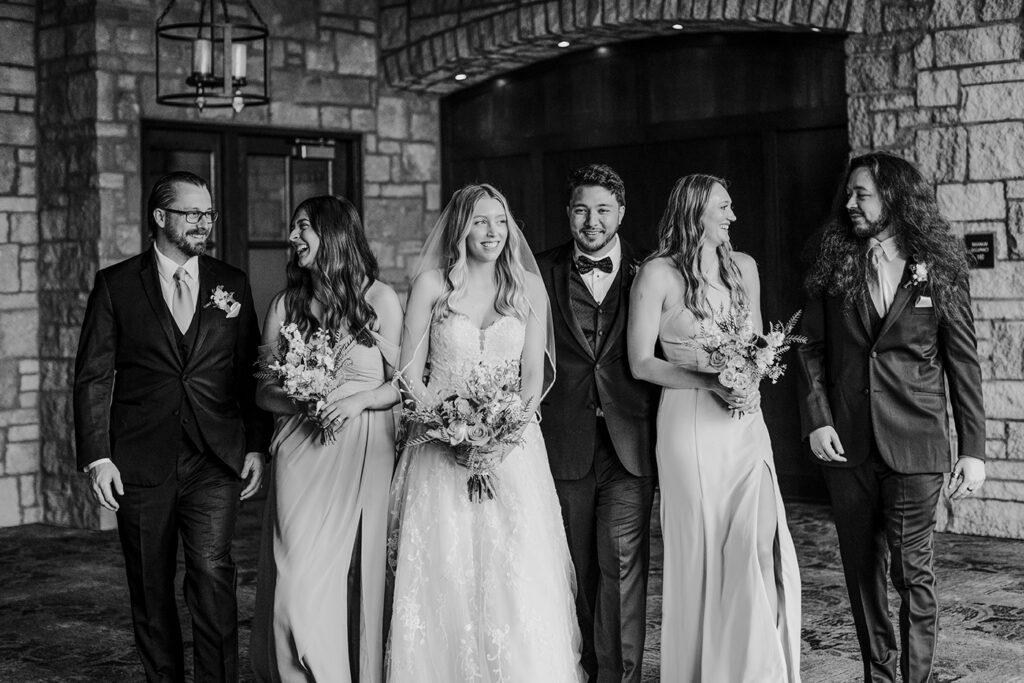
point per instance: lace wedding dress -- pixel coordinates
(483, 591)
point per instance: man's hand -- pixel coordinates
(106, 481)
(252, 469)
(825, 444)
(968, 476)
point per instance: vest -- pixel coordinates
(185, 343)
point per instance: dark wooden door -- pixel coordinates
(258, 177)
(765, 111)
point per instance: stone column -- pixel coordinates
(69, 237)
(19, 310)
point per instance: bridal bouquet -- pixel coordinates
(309, 370)
(741, 357)
(476, 423)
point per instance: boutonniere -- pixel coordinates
(918, 274)
(225, 301)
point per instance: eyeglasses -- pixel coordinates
(193, 216)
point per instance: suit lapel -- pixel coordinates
(899, 302)
(560, 274)
(206, 284)
(151, 286)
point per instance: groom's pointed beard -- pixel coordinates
(180, 240)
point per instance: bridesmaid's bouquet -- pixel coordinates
(741, 357)
(309, 370)
(477, 423)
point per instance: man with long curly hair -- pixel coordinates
(889, 324)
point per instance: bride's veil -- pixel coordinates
(433, 256)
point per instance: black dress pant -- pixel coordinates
(199, 503)
(607, 517)
(887, 519)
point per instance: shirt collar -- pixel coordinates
(166, 267)
(615, 254)
(889, 248)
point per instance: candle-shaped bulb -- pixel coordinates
(202, 56)
(239, 54)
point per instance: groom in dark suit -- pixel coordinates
(598, 424)
(890, 339)
(167, 427)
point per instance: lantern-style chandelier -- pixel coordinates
(211, 63)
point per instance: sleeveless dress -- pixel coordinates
(318, 498)
(717, 622)
(483, 591)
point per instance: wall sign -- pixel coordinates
(982, 246)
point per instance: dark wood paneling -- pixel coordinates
(765, 111)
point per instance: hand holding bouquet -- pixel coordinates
(479, 424)
(309, 370)
(741, 357)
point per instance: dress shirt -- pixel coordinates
(890, 268)
(597, 281)
(166, 268)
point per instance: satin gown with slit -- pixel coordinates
(718, 625)
(319, 497)
(483, 591)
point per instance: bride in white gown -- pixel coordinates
(483, 591)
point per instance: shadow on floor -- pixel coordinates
(64, 605)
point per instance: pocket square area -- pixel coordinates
(924, 302)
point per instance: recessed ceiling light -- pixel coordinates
(563, 43)
(460, 77)
(816, 29)
(678, 27)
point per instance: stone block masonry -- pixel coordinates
(19, 252)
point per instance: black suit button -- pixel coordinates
(185, 378)
(185, 421)
(175, 413)
(597, 366)
(865, 391)
(874, 354)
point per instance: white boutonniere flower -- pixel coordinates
(225, 301)
(918, 274)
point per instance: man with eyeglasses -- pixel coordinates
(167, 427)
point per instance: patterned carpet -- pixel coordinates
(64, 606)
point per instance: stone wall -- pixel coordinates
(19, 250)
(942, 83)
(97, 76)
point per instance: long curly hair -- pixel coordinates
(343, 270)
(681, 239)
(840, 264)
(455, 221)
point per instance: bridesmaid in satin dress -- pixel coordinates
(324, 499)
(731, 601)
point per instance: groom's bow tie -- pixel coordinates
(586, 265)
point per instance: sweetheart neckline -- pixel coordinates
(477, 327)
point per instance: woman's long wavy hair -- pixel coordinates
(840, 265)
(342, 271)
(455, 221)
(681, 239)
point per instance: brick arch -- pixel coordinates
(423, 50)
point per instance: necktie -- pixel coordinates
(881, 292)
(182, 307)
(586, 265)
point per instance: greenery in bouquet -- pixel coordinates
(309, 370)
(478, 424)
(741, 357)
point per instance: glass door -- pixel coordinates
(258, 177)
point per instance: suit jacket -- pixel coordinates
(131, 380)
(569, 422)
(892, 386)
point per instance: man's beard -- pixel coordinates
(180, 240)
(868, 228)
